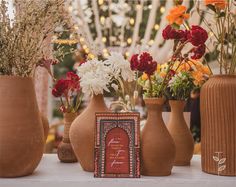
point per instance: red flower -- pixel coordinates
(74, 81)
(173, 34)
(197, 35)
(134, 62)
(198, 52)
(150, 67)
(143, 63)
(60, 88)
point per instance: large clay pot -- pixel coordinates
(45, 127)
(218, 125)
(65, 152)
(157, 146)
(82, 132)
(21, 129)
(181, 134)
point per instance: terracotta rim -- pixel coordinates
(177, 101)
(223, 76)
(15, 77)
(155, 100)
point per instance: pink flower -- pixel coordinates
(197, 35)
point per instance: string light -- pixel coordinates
(138, 6)
(81, 40)
(76, 27)
(100, 2)
(85, 46)
(150, 42)
(70, 9)
(156, 27)
(162, 9)
(127, 54)
(91, 56)
(102, 20)
(129, 40)
(87, 50)
(131, 21)
(104, 39)
(150, 7)
(104, 50)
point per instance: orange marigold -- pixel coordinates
(221, 4)
(177, 15)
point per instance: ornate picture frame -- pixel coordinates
(117, 145)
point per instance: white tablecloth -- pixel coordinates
(52, 173)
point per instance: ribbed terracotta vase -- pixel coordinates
(218, 125)
(82, 132)
(180, 133)
(157, 146)
(65, 151)
(21, 128)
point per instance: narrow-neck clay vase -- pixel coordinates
(157, 146)
(82, 132)
(218, 125)
(21, 129)
(181, 134)
(65, 152)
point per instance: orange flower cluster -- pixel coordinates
(221, 4)
(177, 15)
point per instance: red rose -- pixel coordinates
(197, 35)
(60, 88)
(198, 52)
(173, 34)
(134, 62)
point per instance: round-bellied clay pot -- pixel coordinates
(157, 146)
(45, 126)
(65, 152)
(82, 132)
(21, 128)
(180, 133)
(218, 125)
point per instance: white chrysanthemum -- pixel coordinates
(119, 67)
(94, 76)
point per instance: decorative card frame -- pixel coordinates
(122, 127)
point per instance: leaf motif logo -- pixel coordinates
(221, 168)
(222, 161)
(216, 158)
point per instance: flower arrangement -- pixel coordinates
(98, 76)
(224, 32)
(23, 38)
(145, 65)
(181, 74)
(69, 89)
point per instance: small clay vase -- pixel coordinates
(218, 125)
(157, 146)
(65, 151)
(21, 128)
(82, 132)
(181, 134)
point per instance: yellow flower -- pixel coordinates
(177, 15)
(158, 68)
(198, 77)
(162, 74)
(144, 77)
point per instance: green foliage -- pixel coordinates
(180, 86)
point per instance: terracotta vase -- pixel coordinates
(157, 146)
(65, 152)
(21, 129)
(181, 134)
(45, 126)
(82, 132)
(218, 125)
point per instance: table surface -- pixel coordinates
(52, 173)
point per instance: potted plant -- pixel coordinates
(69, 92)
(189, 46)
(22, 39)
(96, 77)
(218, 94)
(157, 146)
